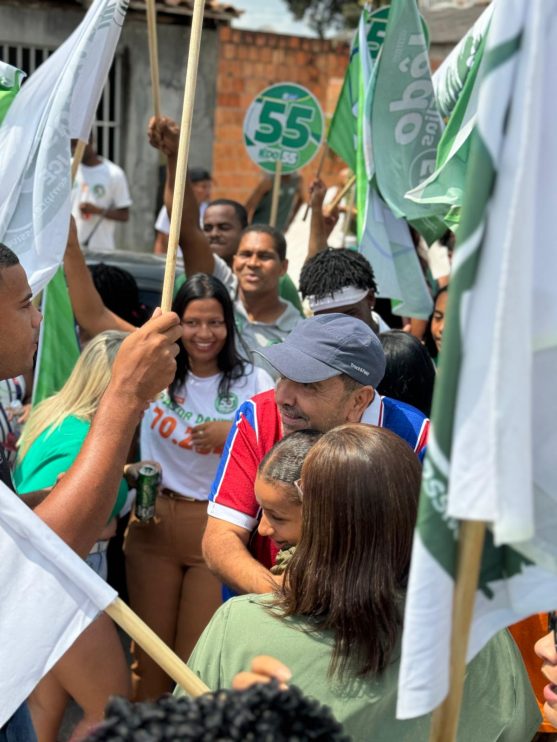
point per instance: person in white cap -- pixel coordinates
(329, 368)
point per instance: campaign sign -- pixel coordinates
(285, 123)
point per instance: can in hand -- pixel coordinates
(147, 488)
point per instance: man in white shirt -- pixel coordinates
(100, 199)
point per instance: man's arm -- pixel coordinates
(164, 135)
(89, 310)
(254, 199)
(317, 231)
(79, 506)
(226, 553)
(116, 215)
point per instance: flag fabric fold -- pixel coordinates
(491, 451)
(49, 597)
(57, 103)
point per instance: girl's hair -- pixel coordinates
(282, 465)
(409, 373)
(81, 394)
(350, 569)
(229, 362)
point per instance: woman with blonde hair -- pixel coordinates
(94, 668)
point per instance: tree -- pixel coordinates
(326, 15)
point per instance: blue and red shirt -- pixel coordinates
(256, 429)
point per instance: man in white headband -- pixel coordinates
(341, 280)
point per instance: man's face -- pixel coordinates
(223, 230)
(20, 323)
(257, 264)
(360, 310)
(320, 406)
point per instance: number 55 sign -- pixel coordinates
(285, 123)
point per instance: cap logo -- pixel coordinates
(360, 369)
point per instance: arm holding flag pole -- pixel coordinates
(317, 176)
(183, 152)
(341, 194)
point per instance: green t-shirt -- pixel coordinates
(54, 452)
(498, 703)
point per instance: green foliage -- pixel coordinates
(323, 16)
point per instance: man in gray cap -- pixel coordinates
(329, 367)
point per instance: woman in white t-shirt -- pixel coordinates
(185, 430)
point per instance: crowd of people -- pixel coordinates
(288, 437)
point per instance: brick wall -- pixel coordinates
(250, 61)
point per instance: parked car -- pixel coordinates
(146, 268)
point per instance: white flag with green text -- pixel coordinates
(57, 103)
(491, 454)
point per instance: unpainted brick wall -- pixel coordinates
(249, 61)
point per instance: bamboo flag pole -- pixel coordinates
(444, 722)
(183, 152)
(342, 193)
(276, 194)
(153, 55)
(77, 157)
(121, 614)
(317, 175)
(348, 215)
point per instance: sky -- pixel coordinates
(270, 15)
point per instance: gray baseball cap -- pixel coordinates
(328, 345)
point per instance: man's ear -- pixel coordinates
(360, 400)
(284, 267)
(371, 298)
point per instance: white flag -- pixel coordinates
(57, 103)
(49, 596)
(491, 455)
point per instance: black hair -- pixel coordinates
(283, 463)
(261, 712)
(118, 290)
(229, 362)
(428, 337)
(409, 373)
(279, 242)
(334, 269)
(7, 257)
(240, 210)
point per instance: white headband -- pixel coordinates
(346, 296)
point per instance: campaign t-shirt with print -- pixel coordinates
(166, 428)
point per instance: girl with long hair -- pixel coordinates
(95, 667)
(337, 622)
(185, 430)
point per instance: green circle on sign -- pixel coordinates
(284, 122)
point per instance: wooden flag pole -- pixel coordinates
(183, 152)
(444, 722)
(77, 157)
(121, 614)
(276, 194)
(154, 56)
(317, 175)
(348, 215)
(341, 194)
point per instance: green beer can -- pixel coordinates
(147, 488)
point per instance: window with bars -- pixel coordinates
(108, 121)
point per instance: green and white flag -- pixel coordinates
(405, 123)
(58, 344)
(491, 454)
(456, 91)
(56, 104)
(10, 83)
(384, 239)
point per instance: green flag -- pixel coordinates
(58, 346)
(443, 190)
(343, 130)
(10, 83)
(493, 437)
(405, 123)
